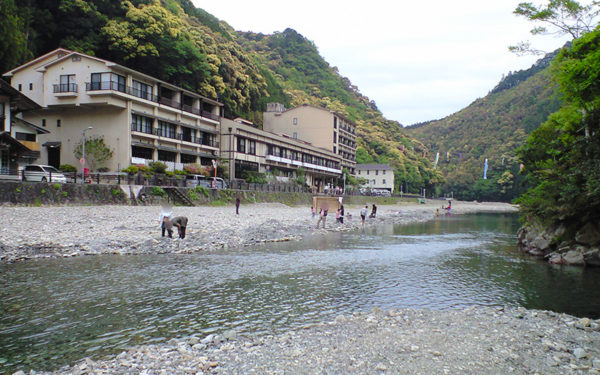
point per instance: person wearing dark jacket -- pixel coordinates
(181, 223)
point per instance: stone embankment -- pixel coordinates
(559, 246)
(490, 340)
(63, 231)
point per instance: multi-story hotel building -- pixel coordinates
(141, 118)
(378, 176)
(319, 126)
(247, 148)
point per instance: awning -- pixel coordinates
(52, 144)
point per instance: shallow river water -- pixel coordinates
(56, 311)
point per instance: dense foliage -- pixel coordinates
(562, 157)
(491, 128)
(176, 42)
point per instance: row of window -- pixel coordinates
(282, 152)
(376, 172)
(166, 129)
(170, 156)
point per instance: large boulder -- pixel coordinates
(589, 234)
(592, 257)
(574, 257)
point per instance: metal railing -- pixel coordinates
(64, 87)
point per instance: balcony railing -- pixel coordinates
(141, 129)
(115, 86)
(65, 87)
(164, 133)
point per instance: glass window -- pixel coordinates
(141, 124)
(241, 145)
(252, 147)
(108, 81)
(67, 83)
(141, 90)
(295, 121)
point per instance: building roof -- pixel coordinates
(37, 129)
(319, 108)
(5, 137)
(58, 52)
(372, 167)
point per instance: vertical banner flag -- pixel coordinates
(437, 157)
(485, 168)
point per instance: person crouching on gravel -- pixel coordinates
(181, 223)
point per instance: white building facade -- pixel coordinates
(377, 176)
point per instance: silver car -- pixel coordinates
(43, 173)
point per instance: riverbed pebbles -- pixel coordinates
(484, 340)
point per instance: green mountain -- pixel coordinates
(491, 128)
(179, 43)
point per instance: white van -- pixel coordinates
(193, 180)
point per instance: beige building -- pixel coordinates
(378, 176)
(249, 149)
(139, 117)
(319, 126)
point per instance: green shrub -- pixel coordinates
(133, 169)
(202, 190)
(43, 191)
(179, 172)
(116, 192)
(67, 168)
(170, 174)
(56, 186)
(64, 194)
(158, 191)
(157, 167)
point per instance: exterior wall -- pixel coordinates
(313, 125)
(4, 113)
(109, 123)
(378, 177)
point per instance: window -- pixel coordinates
(141, 124)
(25, 137)
(142, 90)
(384, 171)
(20, 87)
(67, 83)
(107, 81)
(334, 137)
(44, 122)
(335, 122)
(30, 86)
(367, 171)
(334, 150)
(376, 173)
(295, 121)
(241, 145)
(252, 147)
(383, 181)
(58, 123)
(295, 135)
(165, 129)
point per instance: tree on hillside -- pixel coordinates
(558, 17)
(562, 157)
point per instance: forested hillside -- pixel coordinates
(491, 128)
(176, 42)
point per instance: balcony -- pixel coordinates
(65, 90)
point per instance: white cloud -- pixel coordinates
(417, 60)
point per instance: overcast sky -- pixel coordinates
(418, 60)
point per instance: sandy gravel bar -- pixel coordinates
(62, 231)
(471, 341)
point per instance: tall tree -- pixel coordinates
(557, 17)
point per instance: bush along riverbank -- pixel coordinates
(562, 243)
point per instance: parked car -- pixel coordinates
(43, 173)
(193, 180)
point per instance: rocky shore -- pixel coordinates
(470, 341)
(64, 231)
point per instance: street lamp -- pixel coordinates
(83, 155)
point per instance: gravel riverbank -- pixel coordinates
(470, 341)
(62, 231)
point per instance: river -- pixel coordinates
(56, 311)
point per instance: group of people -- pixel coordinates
(340, 213)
